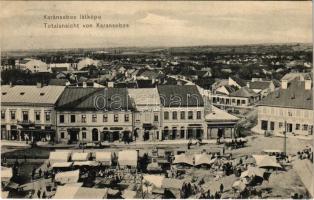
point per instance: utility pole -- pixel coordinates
(285, 139)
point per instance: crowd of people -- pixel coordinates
(306, 153)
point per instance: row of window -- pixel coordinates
(285, 112)
(228, 102)
(289, 127)
(94, 118)
(25, 115)
(182, 115)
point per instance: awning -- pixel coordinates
(61, 164)
(80, 156)
(128, 158)
(116, 128)
(78, 192)
(183, 159)
(86, 163)
(156, 180)
(73, 129)
(147, 125)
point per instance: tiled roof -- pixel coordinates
(295, 96)
(180, 95)
(262, 85)
(79, 98)
(244, 92)
(30, 95)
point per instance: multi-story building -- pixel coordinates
(182, 112)
(147, 121)
(94, 114)
(288, 109)
(27, 112)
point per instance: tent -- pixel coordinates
(80, 156)
(266, 161)
(61, 165)
(128, 158)
(59, 156)
(201, 159)
(86, 163)
(78, 192)
(239, 185)
(252, 172)
(183, 159)
(6, 174)
(68, 177)
(104, 157)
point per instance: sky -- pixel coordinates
(156, 23)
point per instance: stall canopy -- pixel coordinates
(80, 156)
(202, 159)
(59, 156)
(61, 164)
(78, 192)
(252, 172)
(128, 158)
(266, 161)
(183, 159)
(86, 163)
(104, 157)
(6, 174)
(68, 177)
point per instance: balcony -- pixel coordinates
(25, 122)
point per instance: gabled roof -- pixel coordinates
(93, 99)
(244, 92)
(30, 95)
(239, 81)
(261, 85)
(180, 95)
(295, 96)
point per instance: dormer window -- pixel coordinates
(42, 94)
(4, 93)
(22, 93)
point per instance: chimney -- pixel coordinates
(248, 84)
(308, 84)
(84, 84)
(284, 84)
(11, 84)
(39, 85)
